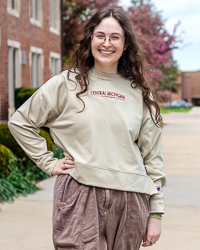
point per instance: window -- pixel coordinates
(14, 66)
(36, 12)
(54, 16)
(54, 63)
(36, 63)
(13, 7)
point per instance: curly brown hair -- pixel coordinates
(131, 65)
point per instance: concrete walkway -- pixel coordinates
(181, 143)
(26, 224)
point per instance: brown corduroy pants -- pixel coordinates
(93, 218)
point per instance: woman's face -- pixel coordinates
(106, 54)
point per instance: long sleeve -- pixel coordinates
(39, 110)
(150, 145)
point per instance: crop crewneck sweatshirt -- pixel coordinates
(113, 141)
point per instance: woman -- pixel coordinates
(102, 113)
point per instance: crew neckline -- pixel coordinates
(102, 75)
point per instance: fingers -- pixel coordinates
(144, 238)
(63, 165)
(153, 232)
(64, 172)
(147, 243)
(68, 162)
(149, 240)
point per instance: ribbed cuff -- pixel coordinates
(157, 205)
(48, 166)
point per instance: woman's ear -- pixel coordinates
(125, 46)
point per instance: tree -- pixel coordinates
(169, 72)
(156, 42)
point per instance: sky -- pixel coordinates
(188, 13)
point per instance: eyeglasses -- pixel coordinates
(115, 39)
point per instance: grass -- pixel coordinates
(165, 110)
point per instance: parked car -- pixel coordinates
(179, 104)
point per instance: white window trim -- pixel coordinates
(17, 45)
(39, 51)
(14, 12)
(52, 29)
(13, 45)
(55, 56)
(33, 20)
(36, 50)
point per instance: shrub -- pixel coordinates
(15, 183)
(33, 172)
(47, 136)
(21, 180)
(9, 141)
(5, 155)
(22, 94)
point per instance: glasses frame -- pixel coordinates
(106, 38)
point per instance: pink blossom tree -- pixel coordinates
(157, 44)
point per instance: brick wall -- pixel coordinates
(21, 30)
(191, 85)
(3, 61)
(189, 89)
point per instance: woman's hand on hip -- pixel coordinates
(62, 165)
(153, 232)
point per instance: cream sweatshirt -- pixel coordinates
(114, 142)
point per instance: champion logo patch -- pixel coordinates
(108, 94)
(158, 188)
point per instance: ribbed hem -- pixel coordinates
(111, 179)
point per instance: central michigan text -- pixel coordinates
(108, 94)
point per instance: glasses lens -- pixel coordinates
(100, 36)
(115, 39)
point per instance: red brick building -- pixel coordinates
(30, 47)
(191, 87)
(188, 85)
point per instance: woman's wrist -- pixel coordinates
(156, 215)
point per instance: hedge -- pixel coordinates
(9, 141)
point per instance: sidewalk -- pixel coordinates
(26, 224)
(181, 143)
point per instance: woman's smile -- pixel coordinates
(106, 52)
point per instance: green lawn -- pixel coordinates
(165, 110)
